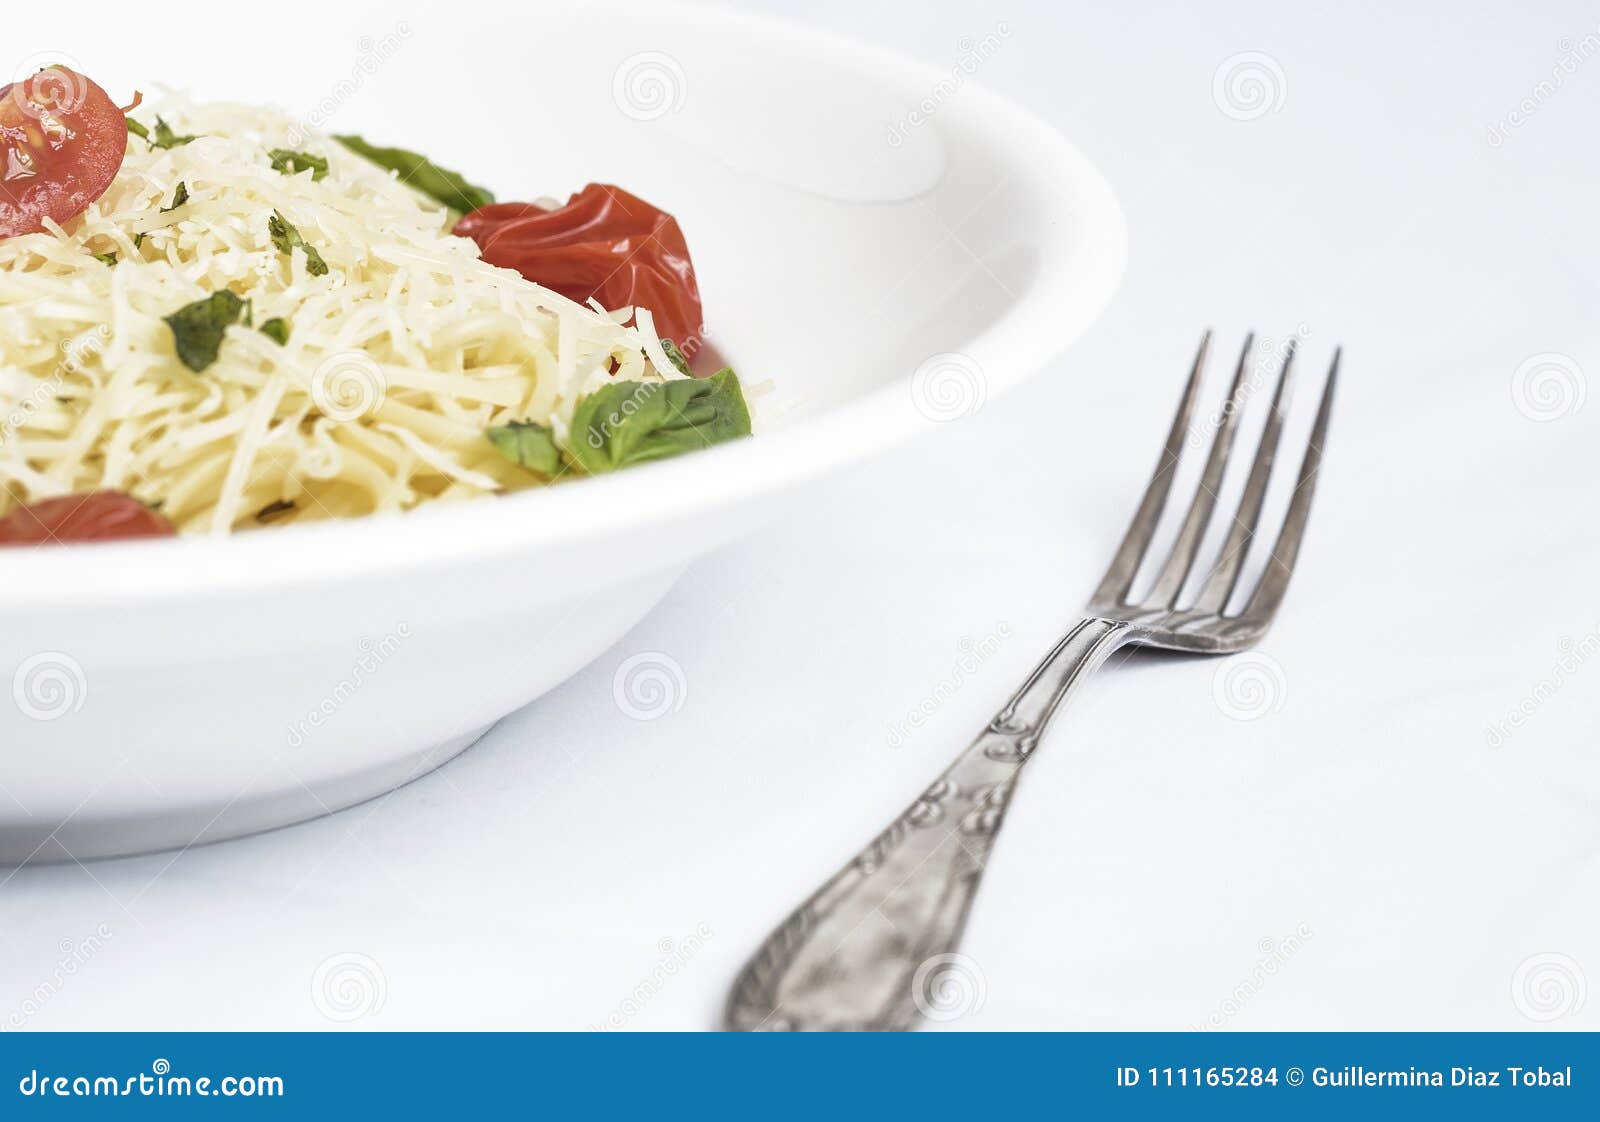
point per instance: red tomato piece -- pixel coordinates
(97, 516)
(61, 144)
(605, 244)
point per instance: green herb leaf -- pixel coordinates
(421, 174)
(276, 329)
(138, 241)
(135, 128)
(285, 237)
(675, 356)
(179, 197)
(289, 162)
(198, 328)
(528, 444)
(628, 423)
(106, 258)
(165, 137)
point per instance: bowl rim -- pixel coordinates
(1063, 300)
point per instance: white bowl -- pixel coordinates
(885, 241)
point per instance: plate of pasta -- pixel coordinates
(337, 424)
(255, 325)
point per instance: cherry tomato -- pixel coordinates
(61, 143)
(605, 244)
(97, 516)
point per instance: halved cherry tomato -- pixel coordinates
(97, 516)
(605, 244)
(61, 143)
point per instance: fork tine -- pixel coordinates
(1169, 584)
(1269, 594)
(1220, 584)
(1119, 575)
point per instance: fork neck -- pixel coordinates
(1069, 663)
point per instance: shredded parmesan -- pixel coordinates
(398, 358)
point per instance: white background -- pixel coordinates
(580, 868)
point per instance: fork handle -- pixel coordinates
(870, 950)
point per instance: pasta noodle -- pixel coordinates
(397, 359)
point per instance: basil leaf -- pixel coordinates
(675, 356)
(735, 413)
(628, 423)
(107, 258)
(165, 137)
(276, 329)
(289, 162)
(179, 197)
(198, 328)
(285, 237)
(529, 444)
(421, 174)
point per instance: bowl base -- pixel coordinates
(180, 829)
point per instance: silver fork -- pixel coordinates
(873, 946)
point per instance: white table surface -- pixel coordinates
(1363, 855)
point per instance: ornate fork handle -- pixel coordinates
(864, 951)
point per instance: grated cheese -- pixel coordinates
(397, 359)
